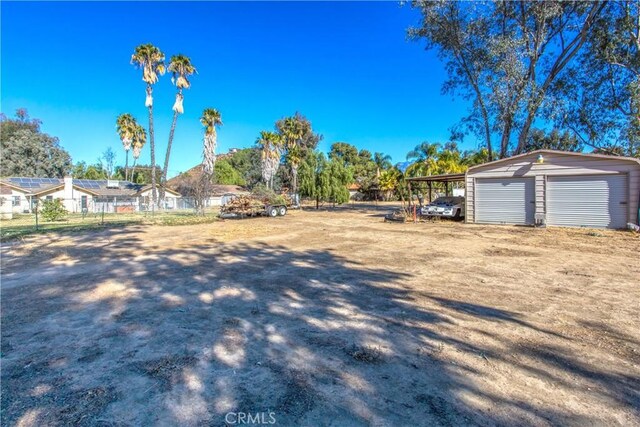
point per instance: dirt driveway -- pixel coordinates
(322, 318)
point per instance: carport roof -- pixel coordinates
(449, 177)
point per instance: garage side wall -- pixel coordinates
(634, 195)
(469, 199)
(556, 164)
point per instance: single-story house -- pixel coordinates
(220, 190)
(6, 202)
(82, 195)
(354, 191)
(556, 188)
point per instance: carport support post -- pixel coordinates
(429, 184)
(410, 195)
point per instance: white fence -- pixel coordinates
(108, 204)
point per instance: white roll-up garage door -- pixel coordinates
(504, 200)
(587, 201)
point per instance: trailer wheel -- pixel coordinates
(272, 211)
(282, 210)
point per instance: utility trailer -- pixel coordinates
(237, 206)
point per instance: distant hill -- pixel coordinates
(181, 182)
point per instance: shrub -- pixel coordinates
(365, 353)
(267, 195)
(53, 210)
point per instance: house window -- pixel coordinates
(16, 200)
(83, 202)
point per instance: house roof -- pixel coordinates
(5, 190)
(168, 190)
(100, 188)
(568, 153)
(38, 186)
(32, 185)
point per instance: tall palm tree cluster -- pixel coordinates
(288, 143)
(210, 119)
(271, 146)
(133, 137)
(434, 159)
(151, 61)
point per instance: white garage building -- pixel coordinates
(555, 188)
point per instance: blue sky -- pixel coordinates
(348, 67)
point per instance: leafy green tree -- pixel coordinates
(27, 151)
(509, 58)
(299, 142)
(141, 174)
(151, 60)
(424, 157)
(181, 68)
(382, 161)
(362, 165)
(437, 159)
(53, 210)
(247, 162)
(324, 180)
(565, 141)
(605, 84)
(339, 177)
(83, 171)
(344, 152)
(226, 174)
(476, 157)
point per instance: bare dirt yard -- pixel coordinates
(322, 318)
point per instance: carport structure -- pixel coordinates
(446, 179)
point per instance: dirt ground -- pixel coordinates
(322, 318)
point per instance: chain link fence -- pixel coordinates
(19, 219)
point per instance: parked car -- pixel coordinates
(450, 207)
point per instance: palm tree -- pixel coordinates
(389, 181)
(382, 161)
(139, 139)
(151, 60)
(210, 119)
(292, 133)
(424, 156)
(271, 146)
(126, 128)
(181, 68)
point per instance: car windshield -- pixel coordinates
(447, 201)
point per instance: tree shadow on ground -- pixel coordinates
(119, 331)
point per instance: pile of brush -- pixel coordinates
(399, 215)
(244, 204)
